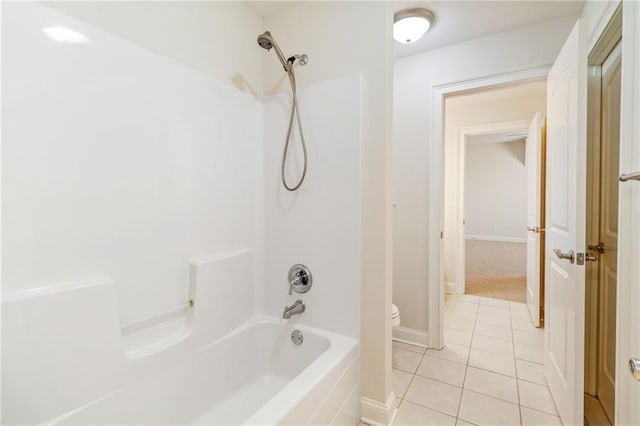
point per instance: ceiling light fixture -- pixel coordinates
(411, 24)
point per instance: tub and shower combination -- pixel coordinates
(141, 163)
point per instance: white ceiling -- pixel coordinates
(458, 21)
(267, 8)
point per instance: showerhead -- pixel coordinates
(265, 40)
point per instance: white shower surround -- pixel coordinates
(121, 170)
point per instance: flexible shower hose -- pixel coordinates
(294, 111)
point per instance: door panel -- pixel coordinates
(534, 220)
(608, 228)
(565, 228)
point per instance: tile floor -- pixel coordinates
(489, 373)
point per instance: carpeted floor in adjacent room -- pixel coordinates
(496, 269)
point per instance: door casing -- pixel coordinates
(608, 40)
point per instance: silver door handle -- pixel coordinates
(629, 176)
(568, 256)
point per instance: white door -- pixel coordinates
(534, 225)
(608, 229)
(565, 227)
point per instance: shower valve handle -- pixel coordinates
(300, 279)
(296, 281)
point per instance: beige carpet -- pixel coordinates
(496, 269)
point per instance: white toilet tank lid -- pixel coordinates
(394, 310)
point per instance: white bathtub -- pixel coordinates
(254, 375)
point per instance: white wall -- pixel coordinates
(217, 38)
(495, 191)
(414, 80)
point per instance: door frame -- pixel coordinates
(461, 140)
(627, 390)
(608, 40)
(435, 294)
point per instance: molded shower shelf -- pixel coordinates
(157, 332)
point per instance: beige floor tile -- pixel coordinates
(493, 331)
(458, 337)
(462, 306)
(485, 410)
(536, 418)
(413, 414)
(400, 381)
(470, 298)
(529, 353)
(495, 310)
(463, 423)
(491, 301)
(492, 319)
(451, 352)
(459, 314)
(536, 396)
(516, 306)
(408, 347)
(459, 324)
(488, 361)
(530, 371)
(405, 360)
(492, 384)
(491, 344)
(442, 370)
(435, 395)
(521, 316)
(533, 337)
(524, 325)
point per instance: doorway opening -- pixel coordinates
(603, 156)
(493, 171)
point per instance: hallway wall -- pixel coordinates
(495, 191)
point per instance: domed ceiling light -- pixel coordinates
(410, 25)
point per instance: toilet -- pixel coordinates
(395, 316)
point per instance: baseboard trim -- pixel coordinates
(494, 238)
(411, 336)
(449, 287)
(375, 413)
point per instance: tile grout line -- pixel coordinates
(513, 344)
(466, 368)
